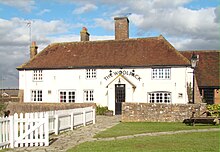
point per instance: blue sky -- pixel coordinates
(186, 24)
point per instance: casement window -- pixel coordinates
(38, 75)
(67, 96)
(161, 73)
(88, 95)
(36, 95)
(90, 73)
(159, 97)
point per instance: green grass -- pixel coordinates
(191, 142)
(131, 128)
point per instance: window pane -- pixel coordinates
(62, 96)
(91, 73)
(161, 73)
(37, 75)
(72, 96)
(159, 97)
(89, 95)
(36, 95)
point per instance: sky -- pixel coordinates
(186, 24)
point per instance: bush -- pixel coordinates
(2, 108)
(214, 109)
(101, 110)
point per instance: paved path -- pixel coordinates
(157, 134)
(69, 139)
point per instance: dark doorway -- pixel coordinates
(119, 97)
(209, 95)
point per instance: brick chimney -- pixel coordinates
(33, 49)
(84, 35)
(121, 28)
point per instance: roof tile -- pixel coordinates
(207, 71)
(154, 51)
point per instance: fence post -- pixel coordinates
(84, 118)
(71, 121)
(56, 124)
(11, 134)
(93, 115)
(16, 129)
(46, 129)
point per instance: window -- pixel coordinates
(161, 73)
(180, 95)
(36, 95)
(88, 95)
(67, 96)
(38, 75)
(159, 97)
(90, 73)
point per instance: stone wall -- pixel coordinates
(8, 99)
(40, 107)
(139, 112)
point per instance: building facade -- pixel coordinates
(207, 74)
(148, 70)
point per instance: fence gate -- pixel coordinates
(31, 129)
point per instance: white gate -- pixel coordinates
(31, 129)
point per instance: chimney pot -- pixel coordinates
(33, 43)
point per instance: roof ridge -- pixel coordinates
(98, 41)
(200, 51)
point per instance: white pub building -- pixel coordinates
(109, 72)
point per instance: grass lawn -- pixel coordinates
(190, 142)
(131, 128)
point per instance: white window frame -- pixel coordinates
(88, 95)
(161, 73)
(160, 97)
(66, 96)
(37, 75)
(91, 73)
(36, 95)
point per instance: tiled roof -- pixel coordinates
(207, 70)
(154, 51)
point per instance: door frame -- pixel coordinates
(118, 105)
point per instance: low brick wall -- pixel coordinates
(139, 112)
(40, 107)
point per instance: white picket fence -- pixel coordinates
(33, 129)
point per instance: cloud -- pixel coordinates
(169, 3)
(44, 11)
(25, 5)
(14, 43)
(193, 44)
(84, 9)
(40, 27)
(217, 14)
(106, 24)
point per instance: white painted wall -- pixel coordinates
(104, 88)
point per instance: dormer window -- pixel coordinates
(38, 75)
(90, 73)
